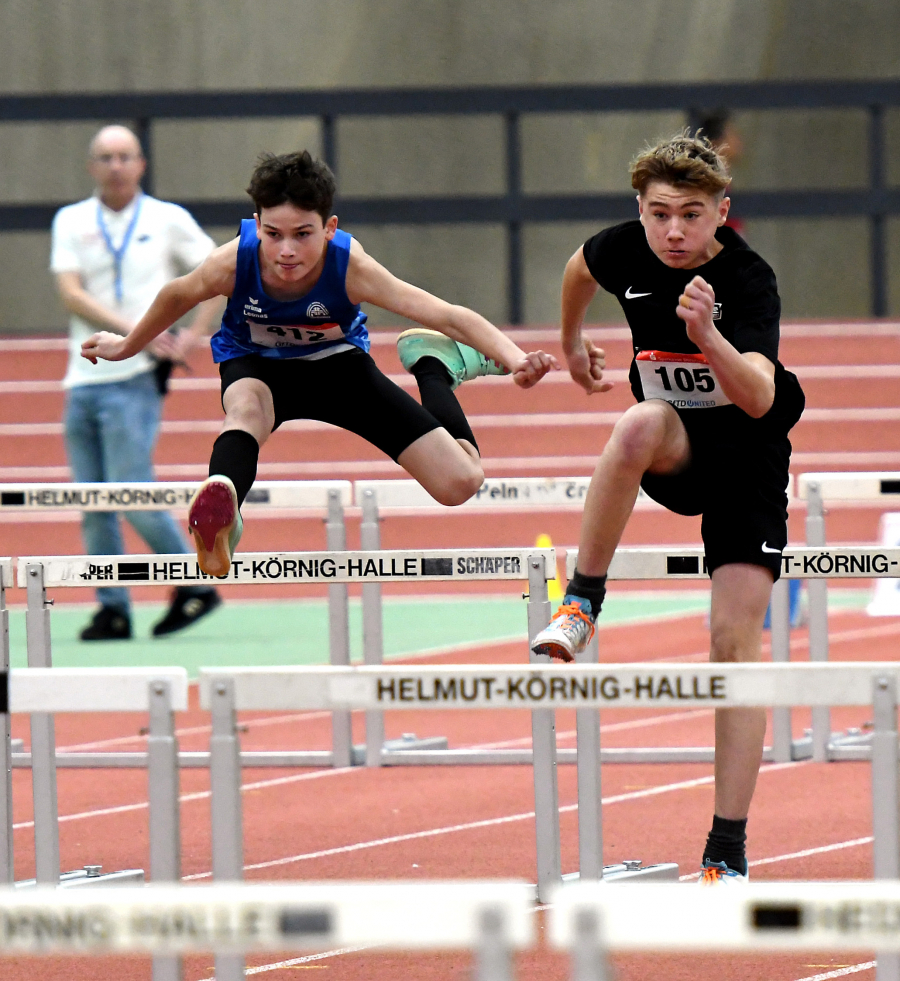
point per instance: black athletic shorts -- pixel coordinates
(737, 479)
(347, 390)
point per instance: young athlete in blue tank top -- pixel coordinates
(293, 345)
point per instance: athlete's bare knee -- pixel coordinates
(458, 486)
(249, 415)
(639, 434)
(731, 643)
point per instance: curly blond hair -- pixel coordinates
(684, 161)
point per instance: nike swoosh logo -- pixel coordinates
(776, 551)
(633, 296)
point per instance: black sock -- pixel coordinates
(437, 396)
(726, 843)
(591, 588)
(235, 454)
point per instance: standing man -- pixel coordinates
(111, 254)
(708, 436)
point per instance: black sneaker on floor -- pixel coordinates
(186, 609)
(109, 623)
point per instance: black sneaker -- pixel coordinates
(109, 623)
(185, 609)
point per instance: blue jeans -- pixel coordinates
(111, 432)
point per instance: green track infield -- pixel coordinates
(276, 633)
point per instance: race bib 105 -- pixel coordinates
(685, 380)
(293, 335)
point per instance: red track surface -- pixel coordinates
(292, 817)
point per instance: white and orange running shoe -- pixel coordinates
(568, 633)
(718, 873)
(215, 524)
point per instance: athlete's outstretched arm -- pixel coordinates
(747, 379)
(213, 277)
(586, 361)
(369, 282)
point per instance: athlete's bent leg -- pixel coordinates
(449, 469)
(214, 519)
(648, 438)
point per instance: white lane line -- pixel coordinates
(496, 467)
(838, 973)
(276, 781)
(485, 823)
(512, 420)
(198, 795)
(308, 959)
(655, 720)
(804, 853)
(274, 720)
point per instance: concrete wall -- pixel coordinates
(101, 45)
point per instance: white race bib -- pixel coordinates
(293, 335)
(685, 380)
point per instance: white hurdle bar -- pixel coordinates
(164, 495)
(817, 489)
(546, 687)
(760, 917)
(492, 919)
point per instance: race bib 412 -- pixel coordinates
(685, 380)
(293, 335)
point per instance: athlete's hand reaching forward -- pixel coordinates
(532, 368)
(586, 363)
(695, 307)
(104, 345)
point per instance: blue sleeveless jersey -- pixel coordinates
(310, 326)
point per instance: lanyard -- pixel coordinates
(118, 254)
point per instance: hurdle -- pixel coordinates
(544, 687)
(332, 496)
(800, 562)
(42, 692)
(770, 917)
(817, 489)
(492, 919)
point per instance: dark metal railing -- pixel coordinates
(513, 208)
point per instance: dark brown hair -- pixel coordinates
(300, 178)
(686, 162)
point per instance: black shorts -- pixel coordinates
(739, 485)
(347, 390)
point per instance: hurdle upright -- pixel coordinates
(817, 489)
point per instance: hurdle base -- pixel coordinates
(390, 748)
(632, 870)
(91, 876)
(850, 745)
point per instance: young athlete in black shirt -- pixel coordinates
(708, 435)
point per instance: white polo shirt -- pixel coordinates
(165, 243)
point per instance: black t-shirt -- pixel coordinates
(747, 309)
